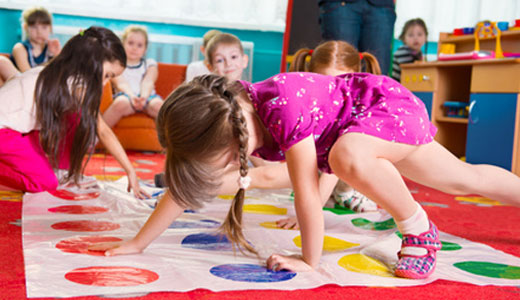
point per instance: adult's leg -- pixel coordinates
(377, 33)
(341, 21)
(23, 164)
(120, 108)
(434, 166)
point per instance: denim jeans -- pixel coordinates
(367, 27)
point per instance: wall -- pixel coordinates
(267, 44)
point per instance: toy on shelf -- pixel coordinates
(489, 30)
(456, 109)
(482, 30)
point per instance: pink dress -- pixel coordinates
(293, 106)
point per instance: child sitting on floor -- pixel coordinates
(37, 48)
(136, 86)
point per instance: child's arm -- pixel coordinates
(148, 82)
(20, 57)
(164, 214)
(108, 138)
(121, 85)
(303, 170)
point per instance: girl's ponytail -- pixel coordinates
(371, 63)
(299, 63)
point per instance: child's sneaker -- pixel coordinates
(414, 266)
(354, 200)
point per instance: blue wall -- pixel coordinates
(267, 45)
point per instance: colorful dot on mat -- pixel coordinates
(80, 244)
(272, 225)
(360, 263)
(250, 273)
(195, 224)
(446, 246)
(479, 201)
(78, 209)
(340, 210)
(85, 225)
(329, 244)
(68, 195)
(204, 241)
(111, 276)
(369, 225)
(489, 269)
(264, 209)
(107, 177)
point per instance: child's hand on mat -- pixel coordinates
(116, 248)
(133, 184)
(288, 223)
(294, 263)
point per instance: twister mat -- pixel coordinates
(359, 249)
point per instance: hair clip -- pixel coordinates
(311, 51)
(81, 32)
(361, 56)
(244, 182)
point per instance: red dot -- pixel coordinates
(111, 276)
(81, 244)
(78, 209)
(68, 195)
(85, 225)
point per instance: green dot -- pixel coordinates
(340, 210)
(366, 224)
(446, 246)
(489, 269)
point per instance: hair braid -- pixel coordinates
(232, 226)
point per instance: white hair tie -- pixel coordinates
(244, 182)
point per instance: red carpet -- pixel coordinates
(494, 225)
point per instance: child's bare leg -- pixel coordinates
(153, 107)
(119, 108)
(366, 163)
(434, 166)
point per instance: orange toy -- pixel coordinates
(138, 132)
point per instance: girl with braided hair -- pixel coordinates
(366, 129)
(49, 116)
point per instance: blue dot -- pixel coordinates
(250, 273)
(196, 224)
(190, 211)
(204, 241)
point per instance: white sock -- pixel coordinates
(416, 224)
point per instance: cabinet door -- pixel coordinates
(491, 129)
(427, 98)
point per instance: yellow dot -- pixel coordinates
(479, 200)
(272, 225)
(231, 197)
(329, 244)
(264, 209)
(360, 263)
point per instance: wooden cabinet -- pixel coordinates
(490, 88)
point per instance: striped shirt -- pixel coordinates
(403, 55)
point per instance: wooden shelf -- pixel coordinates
(452, 120)
(449, 38)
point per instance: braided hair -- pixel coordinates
(196, 123)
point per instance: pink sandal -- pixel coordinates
(418, 267)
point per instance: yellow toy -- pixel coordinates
(488, 30)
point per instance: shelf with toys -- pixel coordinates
(474, 103)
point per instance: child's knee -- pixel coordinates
(122, 106)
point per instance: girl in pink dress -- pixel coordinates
(366, 129)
